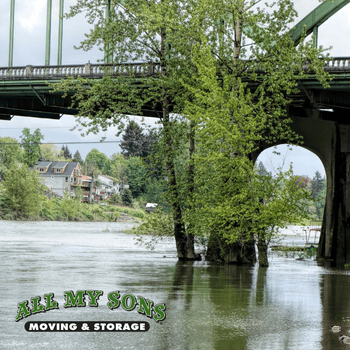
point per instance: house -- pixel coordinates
(60, 177)
(108, 186)
(86, 188)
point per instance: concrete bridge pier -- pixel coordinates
(330, 141)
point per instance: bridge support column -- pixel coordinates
(331, 142)
(336, 242)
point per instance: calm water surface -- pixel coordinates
(290, 305)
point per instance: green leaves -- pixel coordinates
(22, 188)
(31, 146)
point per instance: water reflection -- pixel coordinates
(335, 292)
(290, 305)
(229, 288)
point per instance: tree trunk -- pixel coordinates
(221, 252)
(184, 244)
(262, 253)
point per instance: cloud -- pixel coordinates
(31, 14)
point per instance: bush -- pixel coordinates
(127, 197)
(115, 199)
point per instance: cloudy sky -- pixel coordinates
(29, 49)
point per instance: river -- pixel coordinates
(289, 305)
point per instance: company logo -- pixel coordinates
(91, 298)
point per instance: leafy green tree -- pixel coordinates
(136, 173)
(155, 226)
(97, 162)
(138, 31)
(241, 112)
(22, 189)
(194, 43)
(31, 146)
(51, 152)
(10, 154)
(77, 158)
(127, 197)
(115, 199)
(155, 191)
(118, 168)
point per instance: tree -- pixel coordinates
(97, 162)
(318, 188)
(127, 197)
(31, 146)
(66, 153)
(136, 173)
(138, 31)
(194, 43)
(50, 152)
(77, 158)
(262, 170)
(133, 140)
(10, 154)
(118, 168)
(241, 112)
(22, 189)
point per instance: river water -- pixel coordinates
(289, 305)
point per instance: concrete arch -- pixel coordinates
(300, 150)
(330, 141)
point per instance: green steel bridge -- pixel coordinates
(321, 116)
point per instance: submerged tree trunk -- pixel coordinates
(240, 252)
(262, 252)
(184, 242)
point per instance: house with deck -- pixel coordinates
(60, 177)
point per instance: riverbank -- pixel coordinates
(68, 209)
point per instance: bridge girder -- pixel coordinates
(316, 17)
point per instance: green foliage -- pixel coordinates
(21, 191)
(10, 154)
(31, 146)
(137, 213)
(136, 173)
(154, 191)
(133, 141)
(230, 100)
(127, 197)
(97, 162)
(66, 153)
(50, 152)
(70, 207)
(154, 226)
(115, 199)
(118, 167)
(136, 143)
(318, 188)
(77, 158)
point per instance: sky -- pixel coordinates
(29, 49)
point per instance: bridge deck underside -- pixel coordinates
(34, 99)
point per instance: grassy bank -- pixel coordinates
(68, 209)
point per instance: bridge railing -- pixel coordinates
(338, 63)
(88, 70)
